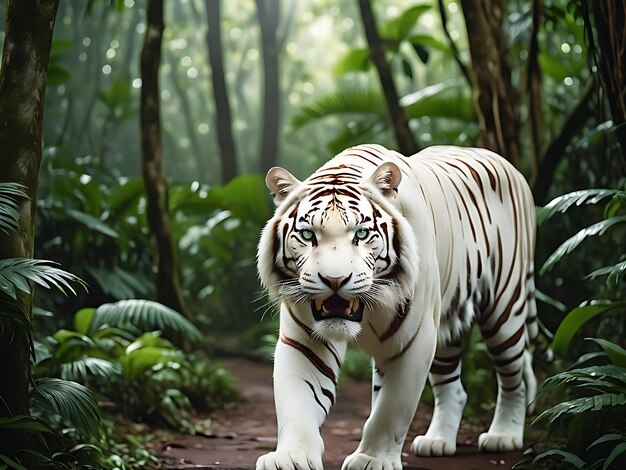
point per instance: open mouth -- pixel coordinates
(337, 307)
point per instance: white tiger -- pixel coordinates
(399, 255)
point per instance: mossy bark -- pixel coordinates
(164, 252)
(25, 57)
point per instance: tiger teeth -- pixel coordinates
(318, 304)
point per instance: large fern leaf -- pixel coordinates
(582, 405)
(15, 274)
(614, 272)
(79, 369)
(145, 315)
(562, 203)
(571, 243)
(347, 99)
(72, 401)
(9, 215)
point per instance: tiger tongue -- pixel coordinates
(336, 304)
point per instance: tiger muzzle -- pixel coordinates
(336, 306)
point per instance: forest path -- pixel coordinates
(239, 436)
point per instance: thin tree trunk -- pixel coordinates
(167, 282)
(406, 142)
(22, 89)
(220, 93)
(494, 96)
(609, 17)
(556, 150)
(534, 91)
(268, 13)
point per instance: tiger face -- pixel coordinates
(336, 248)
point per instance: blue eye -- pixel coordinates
(307, 234)
(362, 233)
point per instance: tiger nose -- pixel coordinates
(335, 283)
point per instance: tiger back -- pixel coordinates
(400, 255)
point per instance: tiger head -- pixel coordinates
(338, 247)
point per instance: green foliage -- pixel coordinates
(118, 349)
(9, 215)
(70, 400)
(574, 321)
(593, 414)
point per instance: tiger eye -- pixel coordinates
(307, 234)
(362, 233)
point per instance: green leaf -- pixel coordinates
(92, 223)
(563, 203)
(145, 315)
(72, 401)
(80, 369)
(567, 457)
(615, 273)
(82, 320)
(348, 98)
(450, 99)
(10, 463)
(138, 361)
(599, 228)
(616, 452)
(126, 196)
(398, 28)
(606, 438)
(582, 405)
(616, 353)
(428, 41)
(9, 210)
(24, 422)
(16, 272)
(576, 319)
(118, 283)
(355, 60)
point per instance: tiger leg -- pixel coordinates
(400, 380)
(305, 380)
(507, 349)
(450, 398)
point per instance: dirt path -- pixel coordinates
(239, 436)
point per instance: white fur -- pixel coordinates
(406, 288)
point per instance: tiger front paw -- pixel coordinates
(293, 459)
(423, 446)
(360, 461)
(492, 442)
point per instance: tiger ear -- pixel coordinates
(387, 178)
(280, 182)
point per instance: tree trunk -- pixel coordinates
(168, 290)
(610, 20)
(494, 96)
(268, 13)
(404, 138)
(222, 109)
(22, 89)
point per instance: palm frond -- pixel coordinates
(346, 99)
(566, 457)
(72, 401)
(145, 315)
(571, 243)
(606, 378)
(614, 272)
(15, 274)
(9, 210)
(562, 203)
(582, 405)
(80, 369)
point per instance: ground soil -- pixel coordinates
(237, 437)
